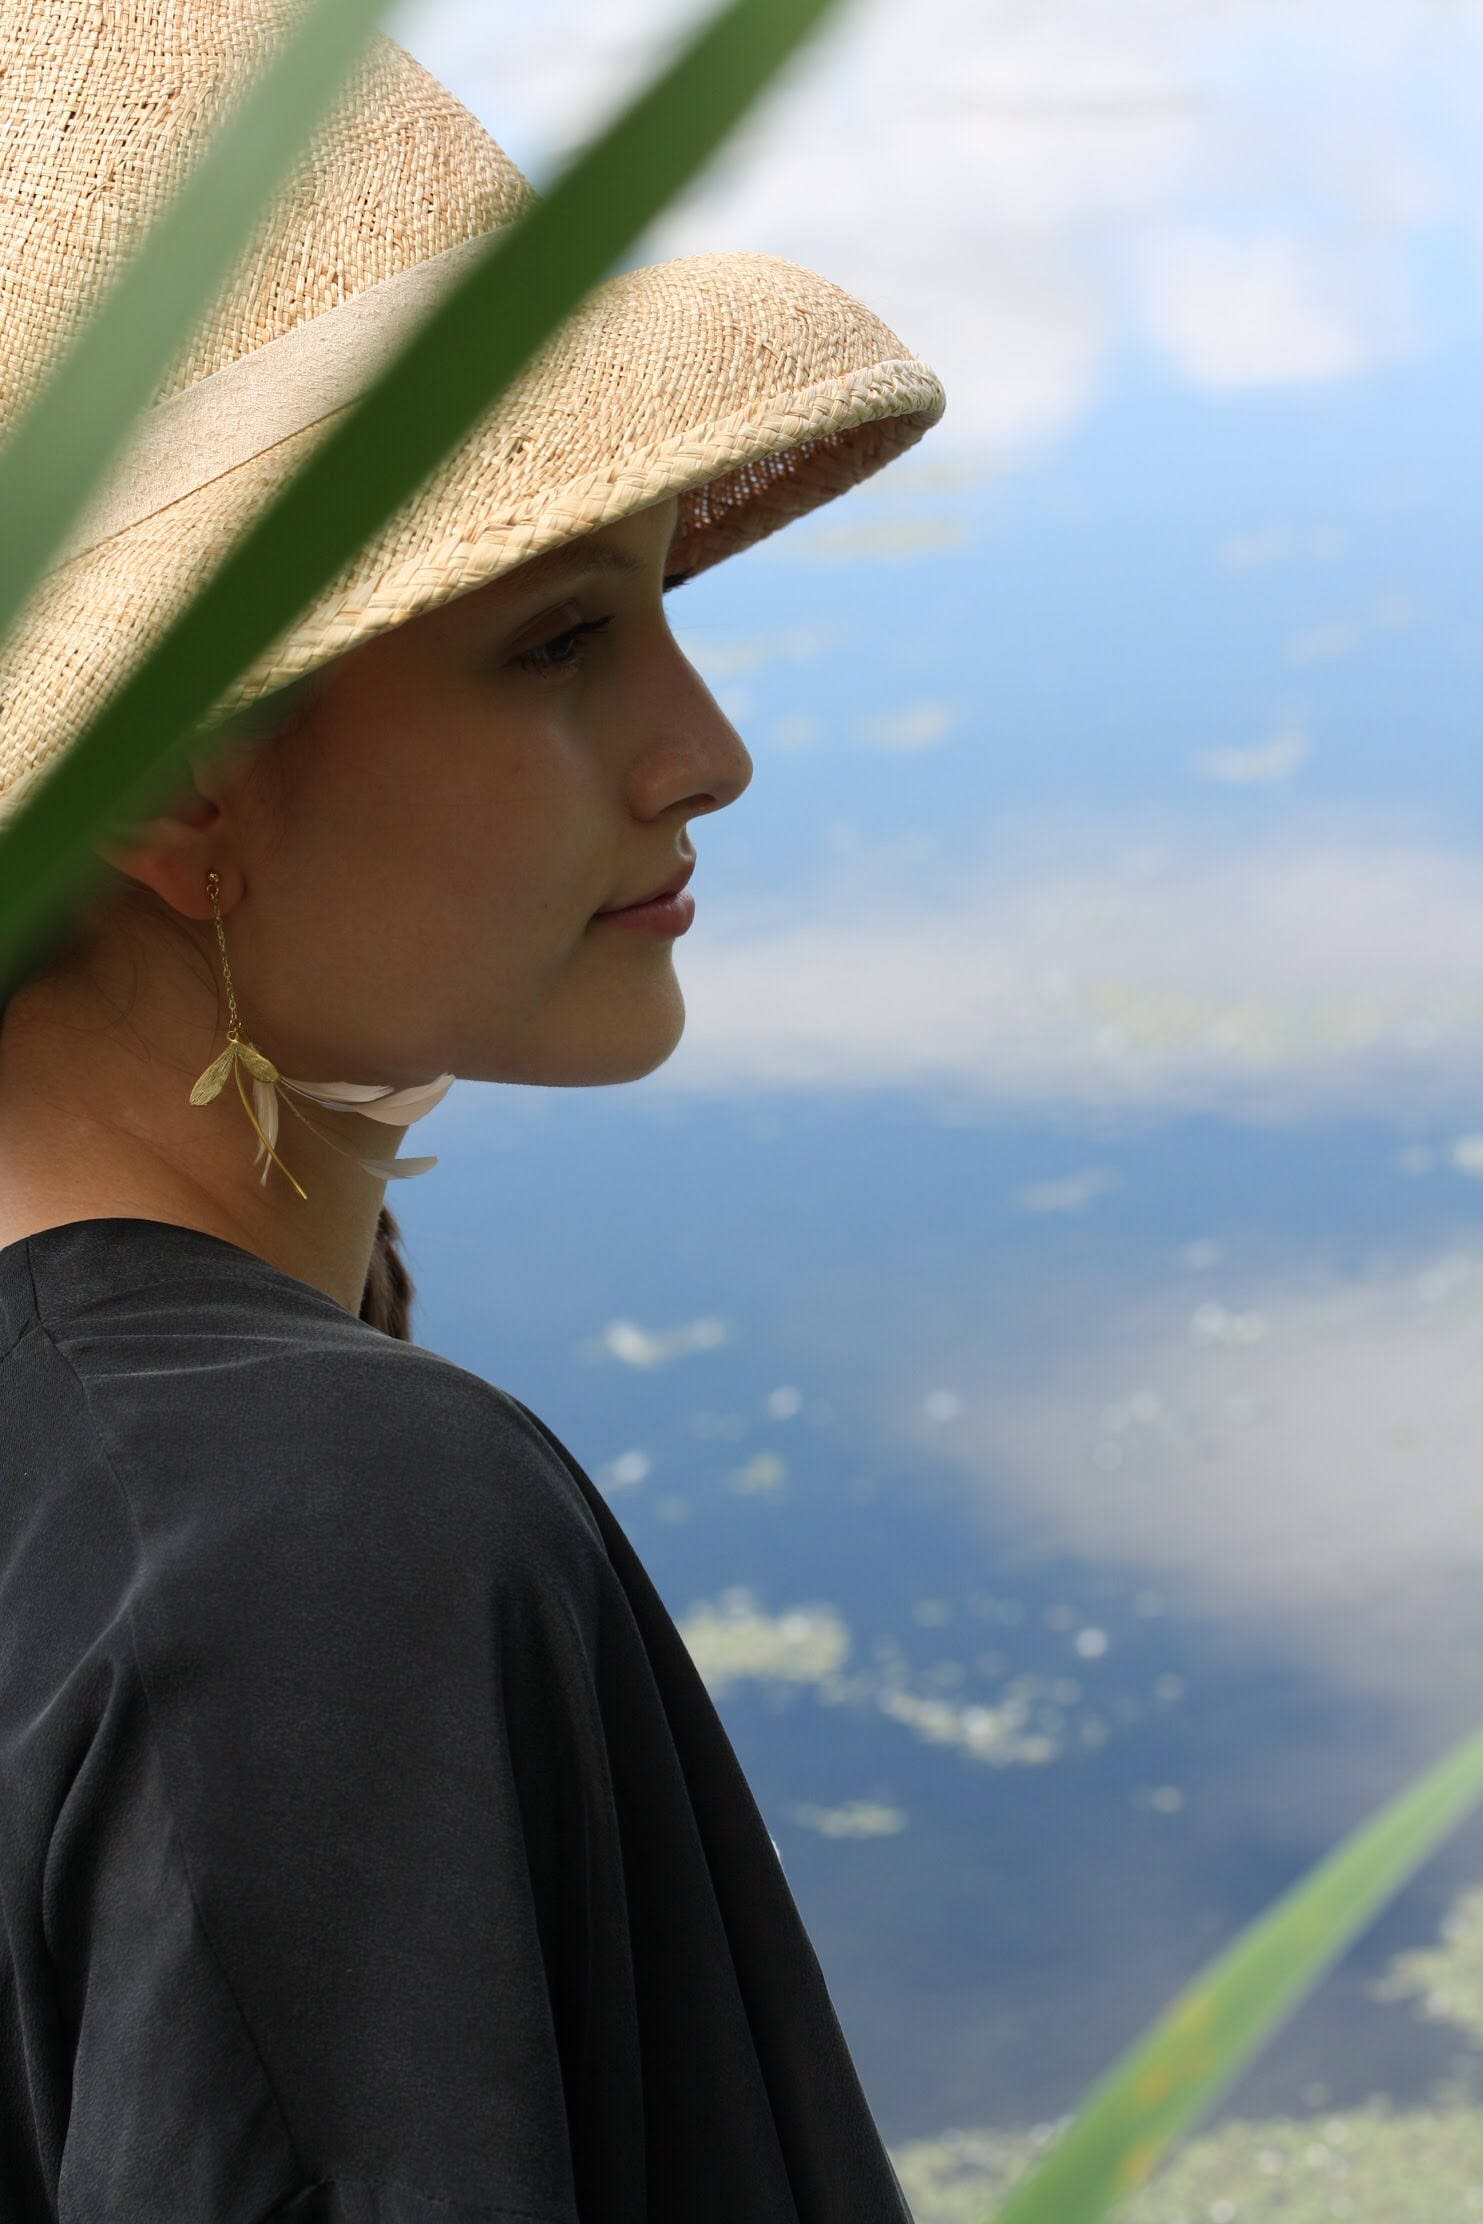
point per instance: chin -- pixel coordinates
(601, 1073)
(593, 1064)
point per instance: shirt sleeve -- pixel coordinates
(319, 1898)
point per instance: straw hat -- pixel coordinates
(750, 387)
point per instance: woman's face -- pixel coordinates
(420, 874)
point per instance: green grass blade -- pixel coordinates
(77, 424)
(1201, 2043)
(453, 368)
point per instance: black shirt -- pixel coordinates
(371, 1851)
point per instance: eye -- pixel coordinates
(565, 651)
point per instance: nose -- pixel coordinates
(725, 781)
(729, 761)
(713, 759)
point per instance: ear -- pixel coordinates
(173, 849)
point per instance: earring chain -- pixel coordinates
(213, 882)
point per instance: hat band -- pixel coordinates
(281, 388)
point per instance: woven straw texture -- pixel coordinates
(752, 388)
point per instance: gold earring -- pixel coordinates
(239, 1052)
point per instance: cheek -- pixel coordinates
(523, 825)
(469, 815)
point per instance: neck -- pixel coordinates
(97, 1127)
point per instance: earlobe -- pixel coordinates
(168, 855)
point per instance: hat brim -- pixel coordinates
(749, 386)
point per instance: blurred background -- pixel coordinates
(1032, 1328)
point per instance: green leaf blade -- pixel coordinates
(1218, 2023)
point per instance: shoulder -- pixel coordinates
(243, 1424)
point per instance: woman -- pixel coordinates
(371, 1847)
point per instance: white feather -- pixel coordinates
(377, 1100)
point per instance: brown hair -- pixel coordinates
(389, 1294)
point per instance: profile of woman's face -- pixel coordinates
(467, 792)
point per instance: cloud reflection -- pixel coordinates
(1277, 759)
(1312, 973)
(1277, 310)
(1299, 1456)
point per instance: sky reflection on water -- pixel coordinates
(1030, 1329)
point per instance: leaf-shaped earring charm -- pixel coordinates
(237, 1054)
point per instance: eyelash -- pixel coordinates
(540, 661)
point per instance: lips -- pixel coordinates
(671, 887)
